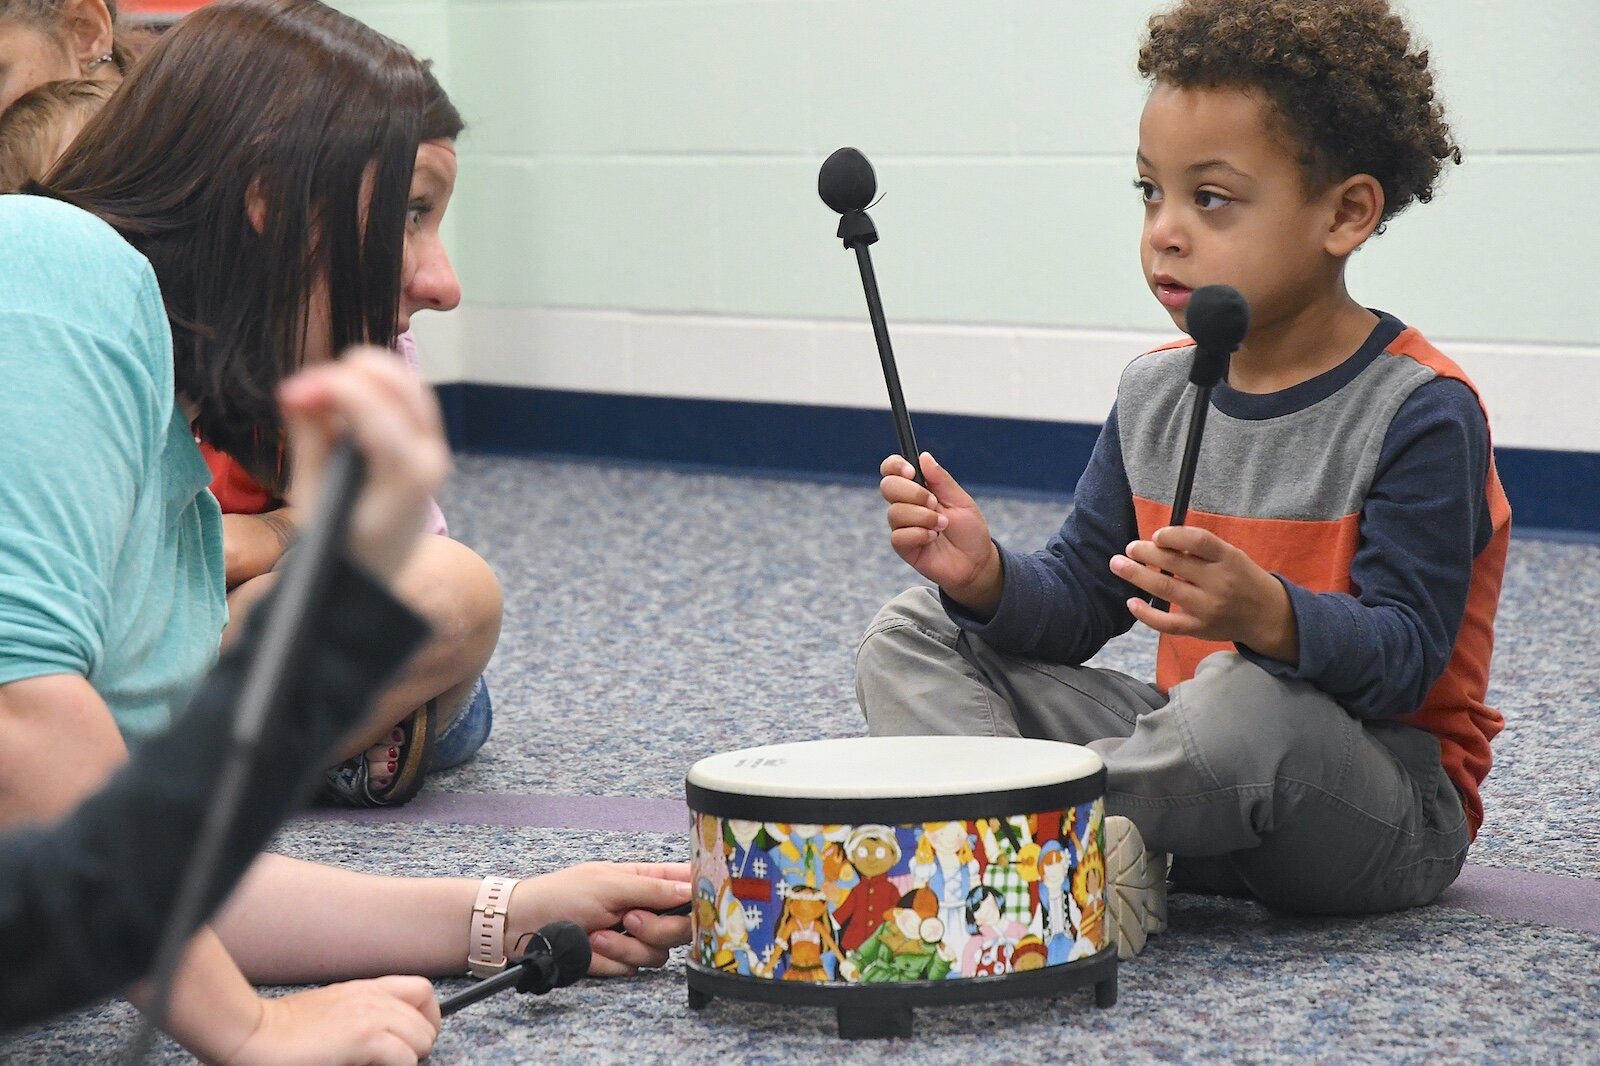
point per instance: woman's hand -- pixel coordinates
(600, 895)
(390, 1021)
(394, 420)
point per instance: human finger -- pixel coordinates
(1170, 622)
(389, 1049)
(659, 930)
(415, 396)
(646, 891)
(896, 489)
(1164, 586)
(417, 993)
(907, 515)
(897, 466)
(664, 871)
(1191, 540)
(945, 488)
(1149, 555)
(385, 428)
(626, 951)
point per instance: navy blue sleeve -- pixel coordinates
(1063, 603)
(1426, 517)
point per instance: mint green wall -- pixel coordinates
(661, 155)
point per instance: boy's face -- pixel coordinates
(1225, 202)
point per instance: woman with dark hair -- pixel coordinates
(261, 182)
(438, 713)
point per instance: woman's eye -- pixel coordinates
(1147, 191)
(416, 211)
(1209, 201)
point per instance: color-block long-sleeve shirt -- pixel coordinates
(1369, 491)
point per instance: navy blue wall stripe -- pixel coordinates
(1554, 490)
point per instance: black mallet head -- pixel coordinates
(846, 182)
(562, 958)
(1218, 319)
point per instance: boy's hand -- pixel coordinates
(941, 534)
(1220, 593)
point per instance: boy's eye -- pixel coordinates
(1209, 201)
(1147, 191)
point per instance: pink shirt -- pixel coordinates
(406, 345)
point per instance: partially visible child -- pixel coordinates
(1317, 732)
(36, 130)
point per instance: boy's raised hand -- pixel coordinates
(1218, 591)
(941, 534)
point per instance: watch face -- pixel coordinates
(932, 930)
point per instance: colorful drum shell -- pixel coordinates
(810, 864)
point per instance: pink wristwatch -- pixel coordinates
(487, 954)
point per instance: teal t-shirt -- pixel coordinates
(110, 543)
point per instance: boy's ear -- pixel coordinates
(1357, 204)
(89, 29)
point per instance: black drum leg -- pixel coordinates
(699, 1000)
(867, 1023)
(1105, 992)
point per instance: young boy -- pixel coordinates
(1317, 732)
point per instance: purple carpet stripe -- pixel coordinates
(1516, 895)
(620, 813)
(1521, 896)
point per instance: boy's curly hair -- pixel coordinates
(1340, 75)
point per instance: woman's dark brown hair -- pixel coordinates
(309, 114)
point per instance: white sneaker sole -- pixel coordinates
(1136, 887)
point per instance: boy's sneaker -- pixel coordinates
(1136, 887)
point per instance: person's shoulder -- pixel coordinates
(1156, 373)
(64, 262)
(43, 227)
(1443, 388)
(68, 270)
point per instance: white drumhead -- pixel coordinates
(888, 767)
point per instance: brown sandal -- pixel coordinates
(349, 784)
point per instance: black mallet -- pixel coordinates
(557, 955)
(846, 184)
(1218, 319)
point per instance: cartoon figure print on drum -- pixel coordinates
(918, 902)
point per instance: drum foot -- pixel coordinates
(1105, 992)
(883, 1023)
(699, 1000)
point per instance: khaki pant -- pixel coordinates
(1256, 785)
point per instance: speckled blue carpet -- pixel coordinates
(654, 617)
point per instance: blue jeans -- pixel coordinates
(463, 737)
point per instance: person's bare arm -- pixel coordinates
(252, 544)
(58, 744)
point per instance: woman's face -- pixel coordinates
(427, 280)
(30, 57)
